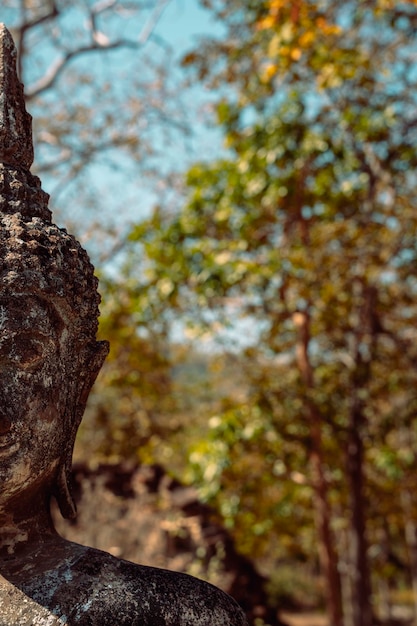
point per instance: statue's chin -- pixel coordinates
(23, 477)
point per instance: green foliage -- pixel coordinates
(305, 234)
(292, 587)
(132, 401)
(295, 252)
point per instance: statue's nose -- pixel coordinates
(5, 425)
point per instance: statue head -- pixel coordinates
(49, 356)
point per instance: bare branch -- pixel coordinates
(52, 74)
(99, 42)
(103, 5)
(152, 22)
(26, 26)
(100, 7)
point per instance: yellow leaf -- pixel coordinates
(307, 39)
(274, 45)
(269, 72)
(296, 54)
(266, 22)
(333, 30)
(276, 4)
(328, 29)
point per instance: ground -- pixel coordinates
(304, 619)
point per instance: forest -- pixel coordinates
(262, 310)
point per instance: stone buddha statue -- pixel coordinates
(49, 359)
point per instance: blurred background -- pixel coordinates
(243, 175)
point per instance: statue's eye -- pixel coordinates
(28, 351)
(24, 350)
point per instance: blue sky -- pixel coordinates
(183, 21)
(181, 25)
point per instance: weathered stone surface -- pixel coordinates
(15, 123)
(88, 587)
(141, 513)
(49, 358)
(20, 191)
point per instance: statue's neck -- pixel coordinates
(24, 524)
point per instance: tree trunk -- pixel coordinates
(364, 338)
(361, 604)
(411, 541)
(345, 574)
(327, 552)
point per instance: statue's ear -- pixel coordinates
(93, 360)
(95, 357)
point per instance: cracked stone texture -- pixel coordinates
(49, 358)
(93, 588)
(16, 146)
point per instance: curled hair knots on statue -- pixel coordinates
(36, 257)
(21, 192)
(41, 259)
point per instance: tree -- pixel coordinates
(305, 230)
(98, 83)
(133, 405)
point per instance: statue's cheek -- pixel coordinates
(44, 399)
(50, 415)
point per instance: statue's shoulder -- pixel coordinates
(100, 590)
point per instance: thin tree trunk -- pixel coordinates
(365, 338)
(327, 552)
(345, 576)
(328, 556)
(411, 541)
(361, 605)
(384, 601)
